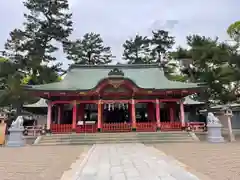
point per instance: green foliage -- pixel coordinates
(136, 50)
(180, 53)
(234, 31)
(88, 50)
(46, 21)
(212, 63)
(161, 42)
(147, 50)
(30, 49)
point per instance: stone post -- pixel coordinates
(229, 115)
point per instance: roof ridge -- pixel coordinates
(73, 66)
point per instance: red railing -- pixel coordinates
(196, 126)
(33, 130)
(116, 127)
(146, 127)
(88, 128)
(61, 128)
(171, 126)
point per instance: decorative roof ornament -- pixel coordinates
(116, 72)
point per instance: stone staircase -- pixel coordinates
(130, 137)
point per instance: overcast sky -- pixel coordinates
(117, 20)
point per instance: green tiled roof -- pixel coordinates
(86, 77)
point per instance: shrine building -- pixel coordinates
(114, 98)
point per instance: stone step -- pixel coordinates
(109, 142)
(115, 135)
(136, 136)
(115, 138)
(119, 134)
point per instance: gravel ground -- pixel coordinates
(218, 161)
(37, 162)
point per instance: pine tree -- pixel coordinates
(47, 21)
(211, 64)
(136, 50)
(88, 50)
(31, 48)
(161, 42)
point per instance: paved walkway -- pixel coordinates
(131, 162)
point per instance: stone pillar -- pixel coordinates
(158, 114)
(182, 113)
(229, 115)
(99, 120)
(230, 132)
(49, 115)
(133, 115)
(74, 115)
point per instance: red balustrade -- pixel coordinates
(197, 126)
(146, 127)
(116, 127)
(87, 128)
(171, 126)
(61, 128)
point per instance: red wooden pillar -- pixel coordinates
(99, 120)
(74, 115)
(158, 113)
(182, 115)
(49, 115)
(133, 114)
(102, 109)
(150, 112)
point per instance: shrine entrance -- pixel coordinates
(116, 113)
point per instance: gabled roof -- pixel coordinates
(189, 101)
(87, 77)
(41, 103)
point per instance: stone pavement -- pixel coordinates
(131, 162)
